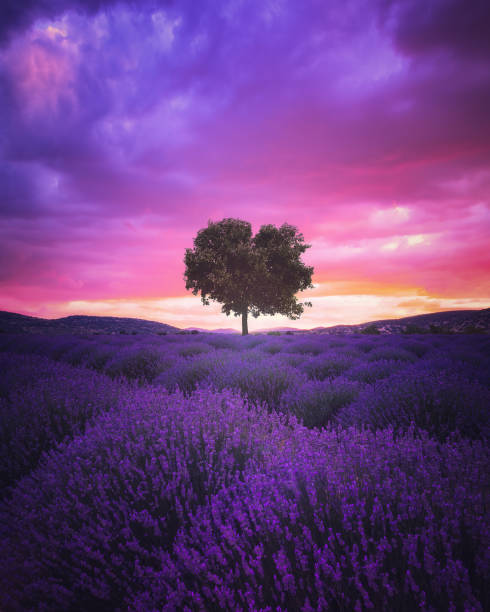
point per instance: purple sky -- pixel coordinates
(126, 126)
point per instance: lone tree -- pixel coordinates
(249, 274)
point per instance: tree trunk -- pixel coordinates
(245, 322)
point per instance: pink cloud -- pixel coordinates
(128, 128)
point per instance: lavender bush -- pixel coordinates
(327, 365)
(260, 379)
(371, 372)
(360, 522)
(187, 374)
(285, 472)
(102, 510)
(47, 402)
(310, 346)
(143, 364)
(391, 353)
(316, 403)
(439, 402)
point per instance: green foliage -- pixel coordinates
(249, 274)
(370, 329)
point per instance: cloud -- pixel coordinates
(18, 16)
(442, 25)
(128, 125)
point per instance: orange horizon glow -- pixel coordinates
(128, 127)
(189, 312)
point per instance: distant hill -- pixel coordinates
(452, 322)
(226, 330)
(11, 322)
(455, 321)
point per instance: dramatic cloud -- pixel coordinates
(127, 125)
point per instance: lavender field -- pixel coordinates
(267, 472)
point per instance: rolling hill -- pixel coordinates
(80, 324)
(456, 321)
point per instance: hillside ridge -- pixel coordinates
(453, 321)
(12, 322)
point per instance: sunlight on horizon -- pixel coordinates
(188, 311)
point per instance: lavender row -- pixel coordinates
(43, 402)
(439, 383)
(174, 502)
(437, 397)
(102, 509)
(319, 357)
(359, 521)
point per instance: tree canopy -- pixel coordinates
(249, 274)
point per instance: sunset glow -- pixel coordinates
(126, 128)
